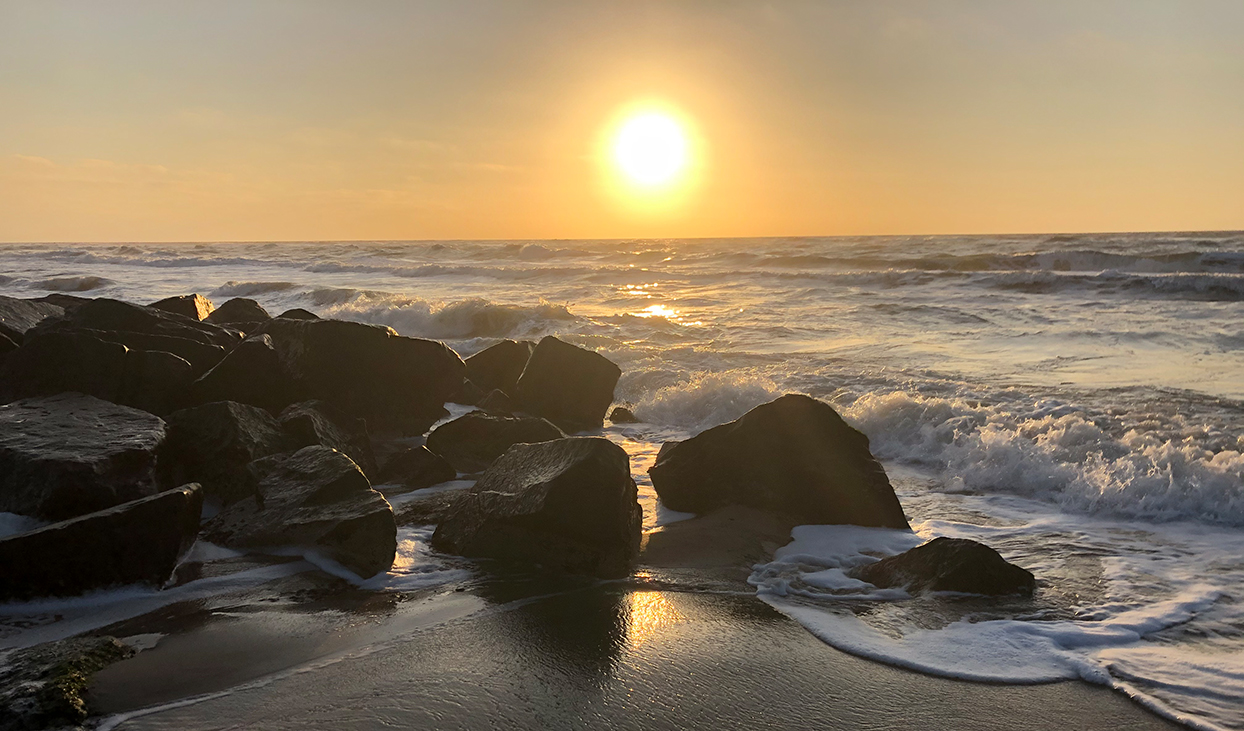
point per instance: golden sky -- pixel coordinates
(303, 120)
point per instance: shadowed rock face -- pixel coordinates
(794, 455)
(239, 312)
(251, 374)
(138, 541)
(949, 564)
(472, 442)
(298, 313)
(66, 455)
(565, 505)
(316, 499)
(567, 385)
(415, 469)
(316, 422)
(194, 306)
(499, 366)
(214, 444)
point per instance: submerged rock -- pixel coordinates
(567, 505)
(474, 441)
(317, 499)
(415, 469)
(251, 374)
(67, 455)
(194, 306)
(794, 455)
(317, 422)
(622, 415)
(499, 366)
(239, 312)
(136, 542)
(567, 385)
(215, 443)
(45, 686)
(949, 564)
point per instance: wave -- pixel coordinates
(73, 284)
(251, 289)
(706, 399)
(464, 319)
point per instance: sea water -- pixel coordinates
(1075, 401)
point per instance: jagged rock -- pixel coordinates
(415, 469)
(251, 374)
(568, 504)
(194, 306)
(67, 455)
(469, 394)
(317, 422)
(137, 541)
(622, 415)
(57, 362)
(215, 443)
(567, 385)
(472, 442)
(395, 383)
(239, 312)
(45, 686)
(315, 498)
(299, 314)
(794, 455)
(949, 564)
(498, 402)
(499, 366)
(18, 315)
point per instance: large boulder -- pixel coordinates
(499, 366)
(794, 455)
(18, 315)
(251, 374)
(567, 505)
(194, 306)
(472, 442)
(215, 443)
(298, 313)
(239, 312)
(137, 541)
(949, 564)
(317, 422)
(395, 383)
(567, 385)
(67, 455)
(45, 686)
(317, 499)
(414, 469)
(52, 362)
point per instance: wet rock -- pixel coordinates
(949, 564)
(317, 422)
(45, 686)
(251, 374)
(567, 505)
(431, 507)
(200, 356)
(18, 315)
(794, 455)
(622, 415)
(369, 371)
(472, 442)
(194, 306)
(115, 315)
(415, 469)
(498, 402)
(215, 443)
(136, 542)
(317, 499)
(298, 313)
(67, 455)
(567, 385)
(239, 312)
(499, 366)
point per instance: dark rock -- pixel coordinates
(251, 374)
(214, 444)
(194, 306)
(67, 455)
(317, 422)
(949, 564)
(431, 507)
(6, 346)
(622, 415)
(567, 385)
(18, 315)
(415, 469)
(394, 382)
(137, 541)
(67, 302)
(109, 314)
(469, 394)
(474, 441)
(314, 498)
(57, 362)
(500, 365)
(200, 356)
(299, 314)
(568, 504)
(794, 455)
(239, 311)
(498, 402)
(45, 686)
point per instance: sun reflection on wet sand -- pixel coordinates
(647, 613)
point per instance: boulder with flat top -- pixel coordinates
(949, 564)
(472, 442)
(568, 385)
(18, 315)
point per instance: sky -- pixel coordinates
(262, 120)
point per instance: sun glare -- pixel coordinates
(651, 149)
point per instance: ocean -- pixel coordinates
(1075, 401)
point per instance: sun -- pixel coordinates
(650, 149)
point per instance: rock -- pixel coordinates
(568, 505)
(239, 311)
(299, 314)
(317, 422)
(498, 402)
(622, 415)
(6, 346)
(470, 443)
(499, 366)
(115, 315)
(794, 455)
(415, 469)
(949, 564)
(315, 498)
(67, 455)
(469, 394)
(200, 356)
(369, 371)
(215, 443)
(18, 315)
(140, 541)
(567, 385)
(45, 686)
(251, 374)
(430, 507)
(57, 362)
(194, 306)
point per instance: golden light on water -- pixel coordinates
(647, 613)
(651, 149)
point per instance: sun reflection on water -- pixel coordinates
(647, 613)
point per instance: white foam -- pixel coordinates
(707, 399)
